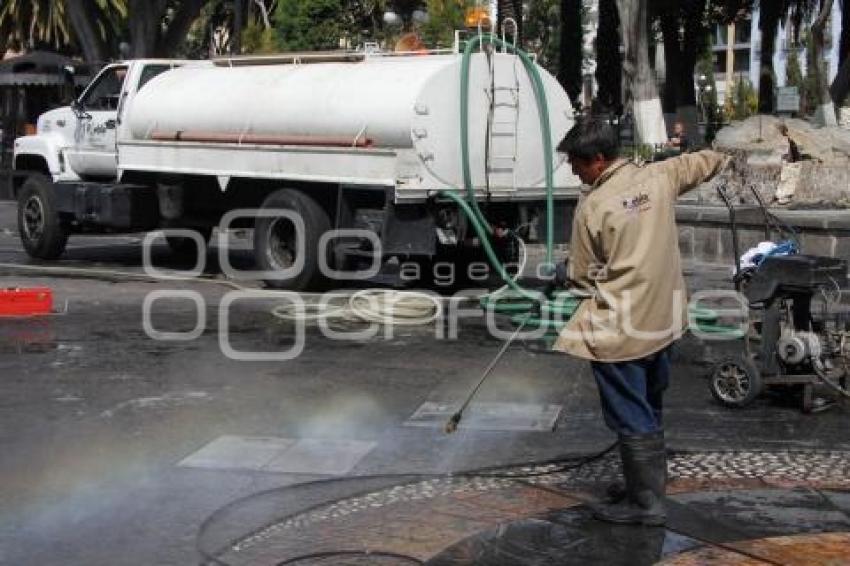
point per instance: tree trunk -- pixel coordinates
(147, 37)
(144, 17)
(672, 60)
(768, 24)
(570, 49)
(82, 16)
(609, 61)
(844, 45)
(826, 110)
(178, 27)
(692, 44)
(646, 105)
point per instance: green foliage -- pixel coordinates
(444, 17)
(309, 25)
(712, 114)
(29, 24)
(742, 100)
(256, 38)
(809, 95)
(542, 31)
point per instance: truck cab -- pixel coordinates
(79, 142)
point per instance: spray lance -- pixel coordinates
(525, 305)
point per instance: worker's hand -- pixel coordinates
(559, 278)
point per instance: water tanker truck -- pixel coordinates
(358, 145)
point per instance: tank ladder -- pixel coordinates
(503, 124)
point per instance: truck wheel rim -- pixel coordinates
(33, 218)
(281, 244)
(732, 383)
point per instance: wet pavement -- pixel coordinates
(122, 449)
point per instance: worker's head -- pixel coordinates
(591, 146)
(678, 128)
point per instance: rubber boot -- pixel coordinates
(644, 462)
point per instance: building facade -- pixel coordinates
(737, 50)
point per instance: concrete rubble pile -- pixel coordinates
(819, 179)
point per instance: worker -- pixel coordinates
(624, 254)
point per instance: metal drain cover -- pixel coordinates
(489, 416)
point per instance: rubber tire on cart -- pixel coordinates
(735, 382)
(41, 230)
(275, 240)
(188, 247)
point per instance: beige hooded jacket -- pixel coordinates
(624, 253)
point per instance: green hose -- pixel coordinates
(543, 114)
(521, 303)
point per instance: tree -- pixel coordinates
(771, 13)
(609, 59)
(94, 25)
(542, 31)
(684, 28)
(307, 26)
(646, 105)
(826, 110)
(570, 52)
(158, 27)
(444, 16)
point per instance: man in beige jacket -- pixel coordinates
(624, 254)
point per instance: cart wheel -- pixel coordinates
(735, 382)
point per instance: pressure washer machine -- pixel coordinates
(798, 336)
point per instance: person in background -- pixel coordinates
(679, 139)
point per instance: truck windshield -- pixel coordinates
(105, 92)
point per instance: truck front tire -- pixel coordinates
(39, 225)
(275, 240)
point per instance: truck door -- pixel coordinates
(93, 153)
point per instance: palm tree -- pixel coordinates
(63, 25)
(25, 24)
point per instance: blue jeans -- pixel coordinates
(632, 393)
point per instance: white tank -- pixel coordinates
(404, 102)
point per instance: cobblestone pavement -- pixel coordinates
(739, 507)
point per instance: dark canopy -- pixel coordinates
(41, 68)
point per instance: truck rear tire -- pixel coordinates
(39, 225)
(275, 240)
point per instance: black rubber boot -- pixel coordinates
(644, 461)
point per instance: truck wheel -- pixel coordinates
(39, 225)
(187, 247)
(275, 245)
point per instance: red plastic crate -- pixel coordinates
(26, 301)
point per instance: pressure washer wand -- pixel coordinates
(454, 421)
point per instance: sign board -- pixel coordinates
(787, 99)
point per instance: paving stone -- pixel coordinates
(237, 452)
(326, 456)
(489, 416)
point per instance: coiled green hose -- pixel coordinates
(527, 306)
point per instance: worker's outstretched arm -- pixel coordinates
(687, 171)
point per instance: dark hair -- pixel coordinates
(591, 137)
